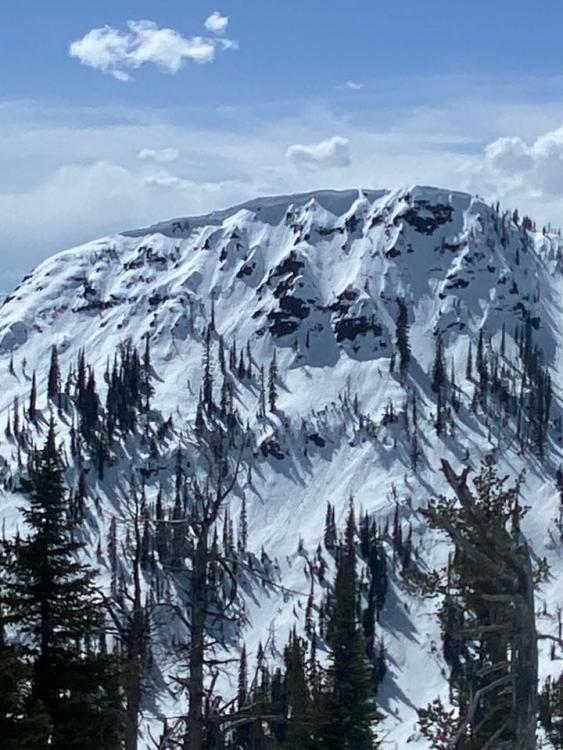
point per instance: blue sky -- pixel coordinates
(210, 104)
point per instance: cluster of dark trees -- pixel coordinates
(508, 388)
(305, 704)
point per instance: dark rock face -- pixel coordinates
(426, 218)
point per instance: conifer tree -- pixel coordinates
(24, 723)
(243, 527)
(262, 394)
(272, 383)
(54, 378)
(297, 696)
(51, 599)
(207, 386)
(32, 410)
(439, 366)
(402, 333)
(349, 712)
(469, 363)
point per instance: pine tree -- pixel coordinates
(32, 410)
(272, 383)
(439, 366)
(147, 387)
(330, 528)
(24, 724)
(469, 363)
(262, 394)
(54, 378)
(296, 693)
(207, 387)
(51, 599)
(243, 527)
(402, 333)
(349, 712)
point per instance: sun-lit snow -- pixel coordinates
(331, 318)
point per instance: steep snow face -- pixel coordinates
(316, 279)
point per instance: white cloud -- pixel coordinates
(512, 166)
(163, 154)
(330, 153)
(217, 23)
(167, 180)
(116, 52)
(354, 85)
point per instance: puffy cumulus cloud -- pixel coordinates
(509, 155)
(162, 154)
(512, 165)
(117, 52)
(217, 23)
(330, 153)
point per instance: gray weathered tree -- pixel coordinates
(490, 627)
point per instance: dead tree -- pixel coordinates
(130, 616)
(494, 635)
(209, 496)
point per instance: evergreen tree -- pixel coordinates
(551, 711)
(207, 386)
(51, 599)
(297, 697)
(272, 383)
(24, 724)
(469, 363)
(32, 410)
(439, 366)
(349, 711)
(262, 394)
(54, 378)
(402, 333)
(330, 528)
(243, 527)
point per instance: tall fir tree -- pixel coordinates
(51, 598)
(272, 383)
(54, 377)
(349, 713)
(402, 333)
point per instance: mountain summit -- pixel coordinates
(347, 342)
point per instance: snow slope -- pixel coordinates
(316, 278)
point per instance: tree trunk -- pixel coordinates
(525, 661)
(502, 557)
(199, 592)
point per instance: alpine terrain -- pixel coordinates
(297, 464)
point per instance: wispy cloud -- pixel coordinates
(163, 154)
(118, 52)
(353, 85)
(217, 23)
(330, 153)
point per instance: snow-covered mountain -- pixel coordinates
(315, 278)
